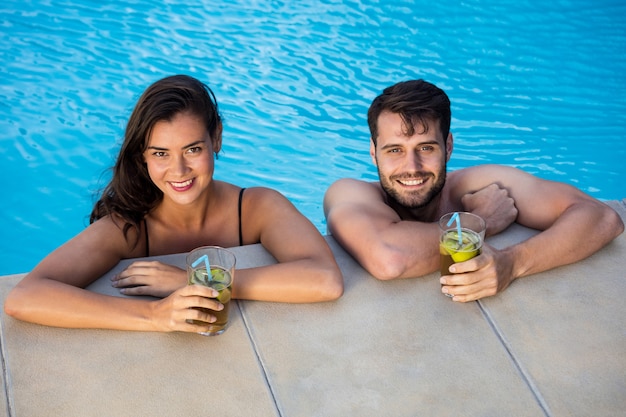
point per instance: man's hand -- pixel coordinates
(494, 205)
(485, 275)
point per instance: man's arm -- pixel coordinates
(373, 233)
(573, 224)
(389, 247)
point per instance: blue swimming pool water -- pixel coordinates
(537, 85)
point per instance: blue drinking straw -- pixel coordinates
(455, 217)
(206, 264)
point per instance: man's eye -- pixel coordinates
(428, 148)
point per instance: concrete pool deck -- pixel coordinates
(553, 344)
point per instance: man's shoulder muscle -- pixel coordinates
(472, 179)
(348, 190)
(350, 198)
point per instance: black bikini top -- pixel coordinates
(145, 225)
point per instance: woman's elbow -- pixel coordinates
(12, 305)
(21, 300)
(332, 285)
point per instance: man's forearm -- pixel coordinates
(580, 231)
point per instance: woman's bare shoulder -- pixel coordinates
(115, 234)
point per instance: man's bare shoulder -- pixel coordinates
(476, 171)
(352, 183)
(349, 190)
(472, 179)
(350, 201)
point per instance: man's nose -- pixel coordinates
(414, 161)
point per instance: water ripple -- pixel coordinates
(537, 86)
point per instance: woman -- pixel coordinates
(161, 200)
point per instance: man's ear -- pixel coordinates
(449, 146)
(373, 152)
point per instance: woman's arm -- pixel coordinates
(306, 270)
(52, 293)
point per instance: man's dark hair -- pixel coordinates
(417, 102)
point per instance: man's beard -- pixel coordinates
(413, 200)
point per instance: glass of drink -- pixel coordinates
(461, 237)
(214, 267)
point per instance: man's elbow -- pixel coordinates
(384, 275)
(387, 266)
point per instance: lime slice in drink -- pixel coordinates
(463, 251)
(466, 253)
(218, 274)
(199, 277)
(224, 296)
(451, 245)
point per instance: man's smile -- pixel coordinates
(412, 181)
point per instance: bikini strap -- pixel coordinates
(239, 212)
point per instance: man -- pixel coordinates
(390, 227)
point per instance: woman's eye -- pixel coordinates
(159, 154)
(195, 149)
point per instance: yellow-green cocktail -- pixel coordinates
(451, 251)
(214, 267)
(461, 236)
(222, 282)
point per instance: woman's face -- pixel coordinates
(179, 157)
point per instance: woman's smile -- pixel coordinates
(182, 186)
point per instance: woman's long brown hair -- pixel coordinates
(131, 194)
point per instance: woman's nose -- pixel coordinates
(179, 165)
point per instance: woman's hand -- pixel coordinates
(177, 311)
(150, 278)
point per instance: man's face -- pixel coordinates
(412, 170)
